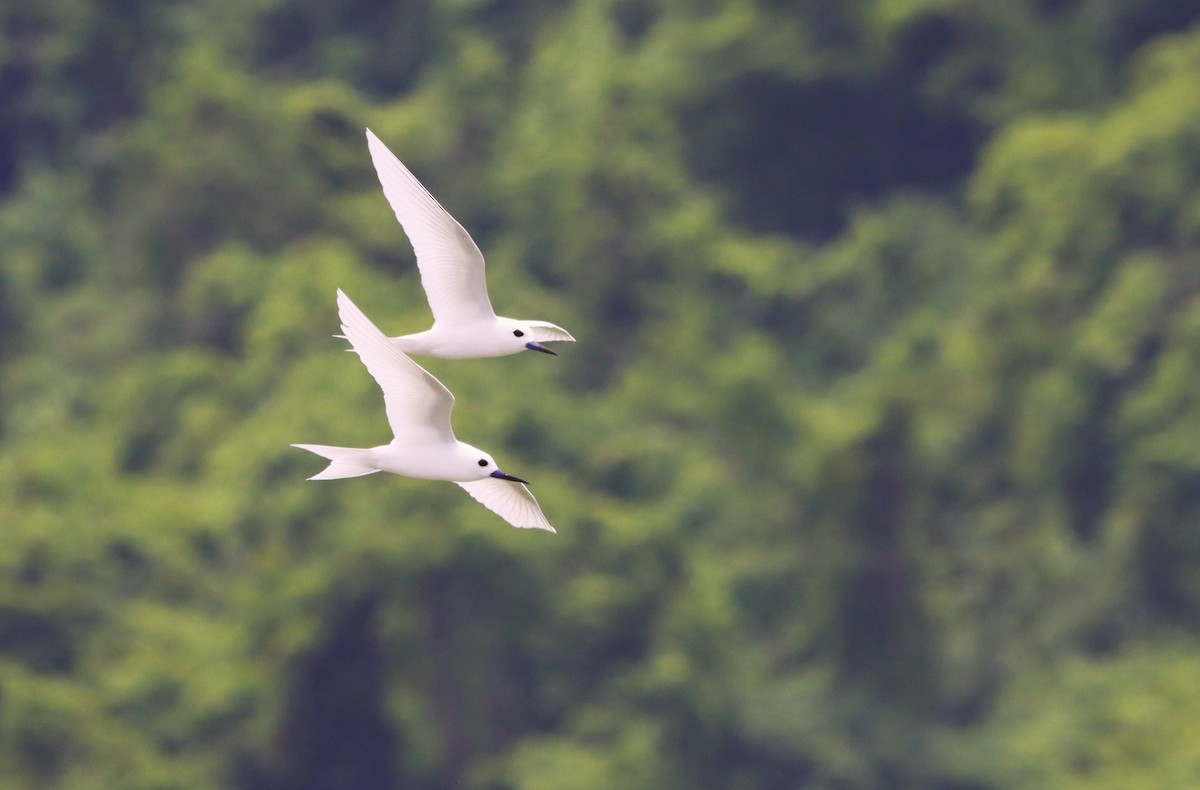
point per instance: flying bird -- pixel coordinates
(451, 266)
(418, 410)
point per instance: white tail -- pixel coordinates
(343, 461)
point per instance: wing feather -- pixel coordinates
(451, 265)
(418, 405)
(546, 332)
(513, 502)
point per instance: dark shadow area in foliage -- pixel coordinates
(38, 640)
(481, 612)
(797, 156)
(634, 18)
(883, 632)
(1143, 21)
(12, 80)
(381, 44)
(127, 40)
(1168, 556)
(335, 733)
(1090, 474)
(10, 324)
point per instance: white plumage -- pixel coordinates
(452, 274)
(424, 446)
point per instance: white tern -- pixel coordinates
(418, 410)
(452, 273)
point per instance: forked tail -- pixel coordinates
(343, 461)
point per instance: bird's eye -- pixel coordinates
(483, 462)
(518, 333)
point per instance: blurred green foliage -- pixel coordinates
(876, 464)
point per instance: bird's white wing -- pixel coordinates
(513, 502)
(450, 263)
(545, 332)
(418, 405)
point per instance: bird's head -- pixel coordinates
(529, 335)
(486, 467)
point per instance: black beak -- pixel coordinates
(505, 476)
(539, 347)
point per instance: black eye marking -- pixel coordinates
(518, 333)
(483, 462)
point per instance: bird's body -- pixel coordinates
(457, 462)
(424, 446)
(452, 273)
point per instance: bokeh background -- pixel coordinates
(876, 465)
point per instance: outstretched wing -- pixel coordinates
(418, 405)
(545, 332)
(513, 502)
(451, 265)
